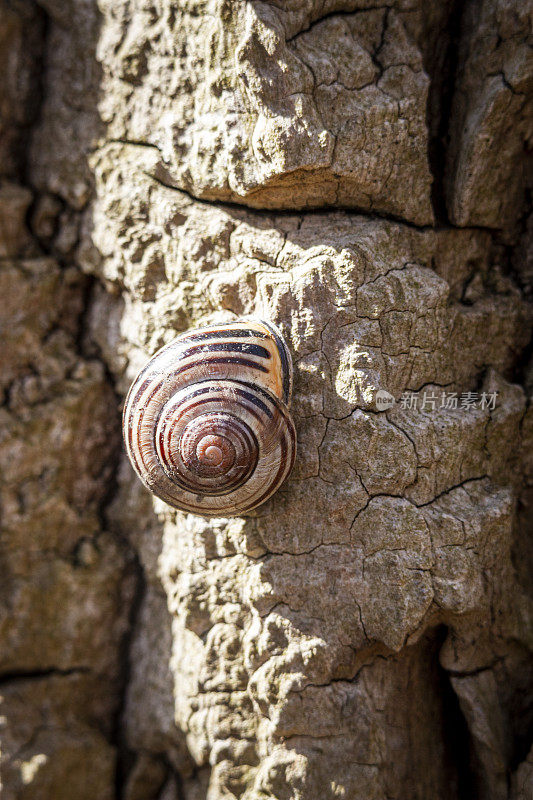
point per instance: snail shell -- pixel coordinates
(206, 422)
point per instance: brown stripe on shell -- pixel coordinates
(241, 362)
(278, 480)
(226, 333)
(248, 348)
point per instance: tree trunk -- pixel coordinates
(357, 174)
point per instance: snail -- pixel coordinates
(206, 423)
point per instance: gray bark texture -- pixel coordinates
(356, 172)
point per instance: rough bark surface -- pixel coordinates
(357, 172)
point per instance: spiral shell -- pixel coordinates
(206, 422)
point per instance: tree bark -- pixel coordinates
(356, 173)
